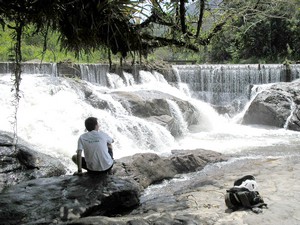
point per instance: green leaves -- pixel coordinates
(125, 26)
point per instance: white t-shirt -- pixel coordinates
(94, 146)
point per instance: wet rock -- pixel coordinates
(155, 106)
(149, 168)
(94, 198)
(22, 163)
(294, 122)
(45, 200)
(159, 219)
(145, 169)
(277, 105)
(270, 109)
(68, 198)
(186, 161)
(167, 122)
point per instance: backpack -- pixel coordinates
(244, 194)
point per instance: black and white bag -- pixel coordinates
(244, 194)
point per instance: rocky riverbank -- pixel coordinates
(199, 197)
(187, 187)
(55, 198)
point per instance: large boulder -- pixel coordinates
(152, 105)
(149, 168)
(57, 199)
(21, 162)
(277, 105)
(158, 107)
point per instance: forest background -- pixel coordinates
(269, 33)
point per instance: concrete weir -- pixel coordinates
(218, 84)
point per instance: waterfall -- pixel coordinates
(295, 71)
(53, 107)
(94, 73)
(31, 68)
(224, 84)
(40, 68)
(6, 67)
(293, 108)
(52, 111)
(115, 81)
(216, 84)
(129, 79)
(146, 77)
(181, 125)
(184, 87)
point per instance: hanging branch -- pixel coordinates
(109, 58)
(200, 20)
(45, 37)
(17, 76)
(182, 16)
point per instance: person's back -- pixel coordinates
(94, 144)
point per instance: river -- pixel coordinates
(52, 111)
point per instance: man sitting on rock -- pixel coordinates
(97, 149)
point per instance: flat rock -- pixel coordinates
(149, 168)
(57, 199)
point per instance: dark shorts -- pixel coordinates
(92, 171)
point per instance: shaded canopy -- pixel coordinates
(88, 25)
(129, 25)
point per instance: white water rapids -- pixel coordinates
(52, 112)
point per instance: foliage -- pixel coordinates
(271, 35)
(121, 26)
(230, 31)
(32, 49)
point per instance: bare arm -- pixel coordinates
(110, 150)
(79, 161)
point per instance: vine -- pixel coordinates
(16, 77)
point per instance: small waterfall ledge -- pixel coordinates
(217, 84)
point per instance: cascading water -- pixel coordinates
(94, 73)
(53, 109)
(182, 126)
(293, 108)
(231, 84)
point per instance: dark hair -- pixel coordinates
(90, 123)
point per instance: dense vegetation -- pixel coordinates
(32, 49)
(274, 38)
(98, 31)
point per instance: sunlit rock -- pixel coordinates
(277, 105)
(149, 168)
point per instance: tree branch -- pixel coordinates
(182, 16)
(200, 20)
(156, 42)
